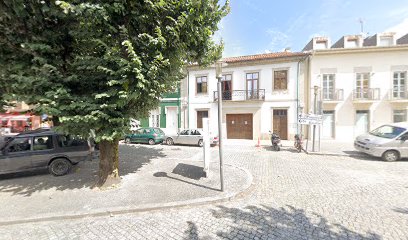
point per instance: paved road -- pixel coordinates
(296, 196)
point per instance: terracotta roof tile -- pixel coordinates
(264, 56)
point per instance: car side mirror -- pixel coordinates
(403, 138)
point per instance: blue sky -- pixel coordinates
(259, 26)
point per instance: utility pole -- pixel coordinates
(218, 72)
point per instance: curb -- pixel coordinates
(248, 187)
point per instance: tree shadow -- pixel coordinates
(280, 223)
(82, 175)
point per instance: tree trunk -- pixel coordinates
(108, 163)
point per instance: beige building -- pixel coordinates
(259, 93)
(362, 83)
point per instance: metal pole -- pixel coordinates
(314, 111)
(220, 132)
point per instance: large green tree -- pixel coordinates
(96, 63)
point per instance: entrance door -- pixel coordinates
(239, 126)
(280, 123)
(361, 126)
(328, 124)
(171, 118)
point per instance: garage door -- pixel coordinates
(239, 126)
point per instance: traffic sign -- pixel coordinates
(310, 119)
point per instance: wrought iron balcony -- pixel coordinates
(363, 94)
(395, 95)
(242, 95)
(333, 95)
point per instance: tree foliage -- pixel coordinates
(95, 64)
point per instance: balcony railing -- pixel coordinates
(333, 95)
(398, 95)
(362, 94)
(241, 95)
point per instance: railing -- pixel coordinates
(333, 95)
(241, 95)
(398, 95)
(366, 94)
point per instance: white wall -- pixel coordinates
(382, 65)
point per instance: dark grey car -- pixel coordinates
(42, 148)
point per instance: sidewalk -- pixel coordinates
(153, 177)
(327, 147)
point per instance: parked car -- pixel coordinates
(146, 135)
(388, 141)
(190, 137)
(42, 148)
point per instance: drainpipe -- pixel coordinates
(298, 130)
(188, 99)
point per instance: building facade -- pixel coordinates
(361, 83)
(167, 115)
(260, 93)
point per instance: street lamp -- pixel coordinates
(218, 74)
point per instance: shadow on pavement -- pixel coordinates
(281, 223)
(163, 174)
(83, 175)
(401, 210)
(189, 171)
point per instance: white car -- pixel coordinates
(190, 137)
(388, 141)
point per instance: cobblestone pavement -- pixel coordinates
(295, 196)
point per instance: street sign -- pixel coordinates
(310, 119)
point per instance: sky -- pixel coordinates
(260, 26)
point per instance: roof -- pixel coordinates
(265, 56)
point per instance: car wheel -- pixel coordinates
(391, 156)
(169, 141)
(59, 166)
(127, 140)
(151, 141)
(200, 143)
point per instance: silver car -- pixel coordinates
(42, 149)
(190, 137)
(388, 141)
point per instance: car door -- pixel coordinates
(43, 150)
(16, 156)
(135, 137)
(182, 137)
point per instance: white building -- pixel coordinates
(362, 83)
(260, 93)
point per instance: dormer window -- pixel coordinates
(351, 43)
(386, 41)
(321, 44)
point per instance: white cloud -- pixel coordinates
(400, 29)
(278, 40)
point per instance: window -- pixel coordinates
(20, 145)
(328, 86)
(201, 84)
(200, 116)
(226, 86)
(399, 85)
(362, 83)
(400, 116)
(185, 132)
(42, 143)
(70, 141)
(280, 80)
(252, 85)
(154, 120)
(386, 41)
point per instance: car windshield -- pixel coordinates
(388, 131)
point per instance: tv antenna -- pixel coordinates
(361, 25)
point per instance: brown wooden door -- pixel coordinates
(239, 126)
(280, 123)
